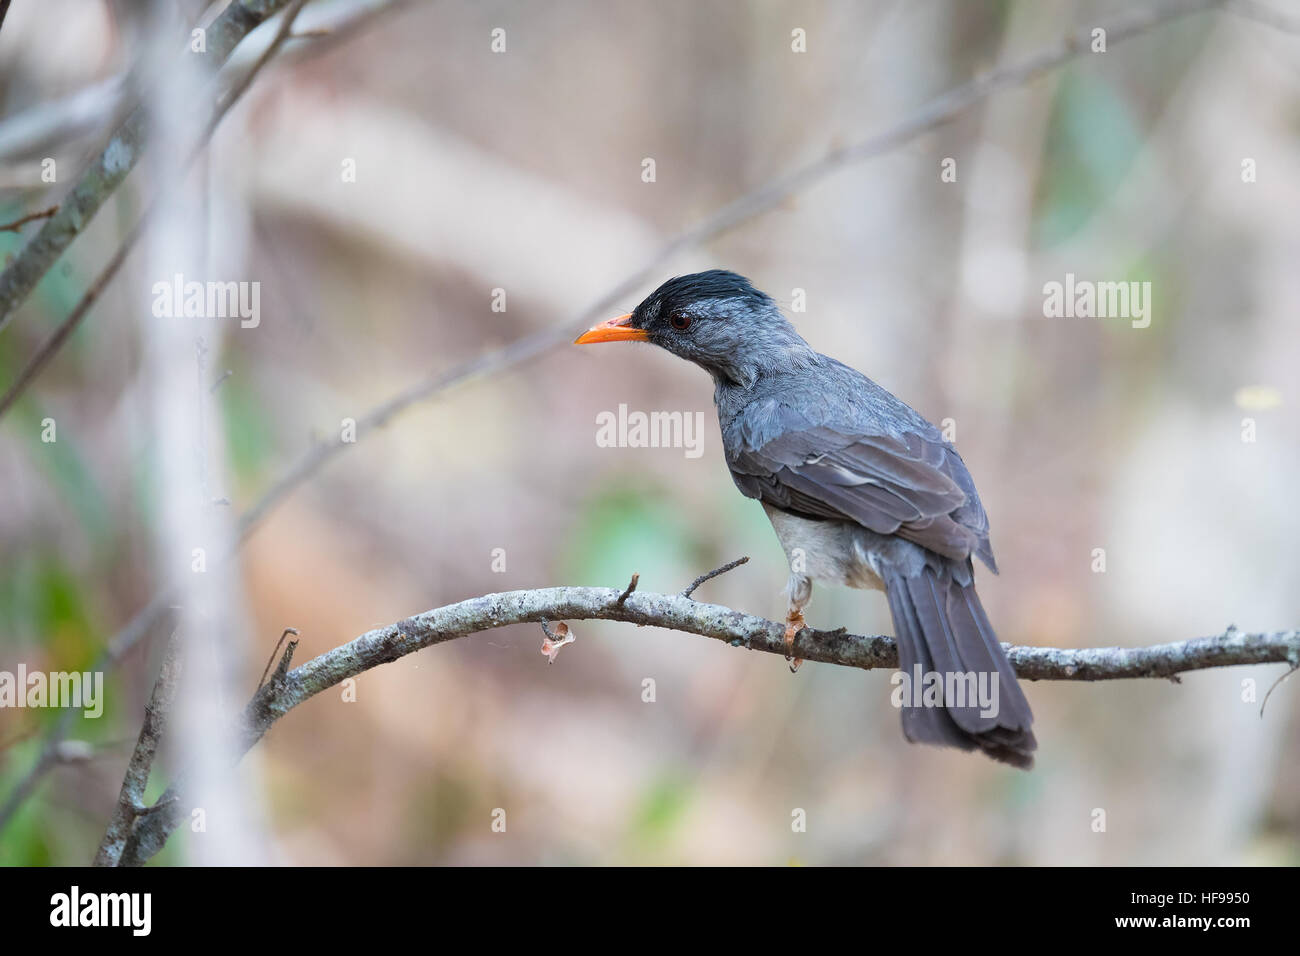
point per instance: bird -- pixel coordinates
(861, 490)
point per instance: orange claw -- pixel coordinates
(794, 624)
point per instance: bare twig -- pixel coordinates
(690, 588)
(54, 341)
(282, 668)
(278, 644)
(631, 586)
(675, 612)
(130, 799)
(30, 217)
(1295, 666)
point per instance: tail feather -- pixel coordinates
(930, 725)
(941, 626)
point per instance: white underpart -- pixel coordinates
(832, 552)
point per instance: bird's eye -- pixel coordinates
(680, 322)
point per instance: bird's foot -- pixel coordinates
(794, 623)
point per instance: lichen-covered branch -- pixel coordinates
(676, 612)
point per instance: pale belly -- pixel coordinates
(831, 552)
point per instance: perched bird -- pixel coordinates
(861, 490)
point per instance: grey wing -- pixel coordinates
(911, 485)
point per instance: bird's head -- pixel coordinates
(715, 319)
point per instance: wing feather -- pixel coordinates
(912, 485)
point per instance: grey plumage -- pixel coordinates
(861, 490)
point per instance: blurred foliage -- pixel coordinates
(661, 808)
(1092, 140)
(630, 525)
(439, 809)
(42, 601)
(250, 438)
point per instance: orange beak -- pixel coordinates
(614, 330)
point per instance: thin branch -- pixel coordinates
(936, 113)
(221, 380)
(30, 217)
(679, 613)
(731, 565)
(130, 799)
(278, 644)
(631, 586)
(55, 340)
(282, 668)
(1295, 666)
(240, 86)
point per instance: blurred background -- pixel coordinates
(500, 192)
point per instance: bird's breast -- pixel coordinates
(824, 550)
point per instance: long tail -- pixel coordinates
(942, 628)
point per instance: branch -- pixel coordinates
(678, 613)
(729, 566)
(284, 661)
(130, 800)
(30, 217)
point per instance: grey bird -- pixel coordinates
(861, 490)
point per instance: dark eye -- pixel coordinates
(680, 322)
